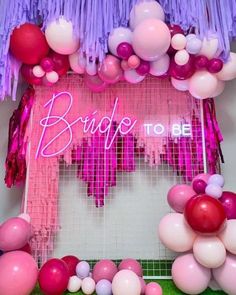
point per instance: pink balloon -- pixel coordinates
(179, 195)
(134, 61)
(153, 289)
(143, 285)
(225, 275)
(126, 282)
(151, 39)
(104, 270)
(182, 72)
(18, 273)
(124, 65)
(94, 83)
(204, 176)
(131, 264)
(219, 89)
(110, 69)
(190, 276)
(14, 234)
(160, 66)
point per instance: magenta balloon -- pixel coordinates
(14, 234)
(215, 65)
(228, 200)
(104, 270)
(131, 264)
(47, 64)
(201, 62)
(18, 273)
(143, 68)
(28, 75)
(203, 176)
(94, 83)
(182, 72)
(125, 50)
(199, 186)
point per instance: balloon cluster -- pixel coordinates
(204, 223)
(68, 273)
(147, 46)
(18, 269)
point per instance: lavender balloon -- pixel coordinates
(193, 45)
(125, 50)
(82, 269)
(228, 200)
(103, 287)
(216, 179)
(214, 190)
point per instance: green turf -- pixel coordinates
(167, 285)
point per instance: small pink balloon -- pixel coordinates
(94, 83)
(131, 264)
(134, 61)
(104, 270)
(110, 69)
(47, 64)
(179, 195)
(38, 71)
(204, 176)
(153, 289)
(178, 41)
(14, 234)
(52, 77)
(125, 65)
(143, 285)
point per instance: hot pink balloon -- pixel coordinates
(182, 72)
(18, 273)
(153, 289)
(125, 50)
(47, 64)
(143, 68)
(190, 276)
(104, 270)
(204, 176)
(110, 69)
(215, 65)
(228, 200)
(131, 264)
(14, 234)
(94, 83)
(201, 62)
(179, 195)
(151, 39)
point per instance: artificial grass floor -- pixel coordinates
(167, 286)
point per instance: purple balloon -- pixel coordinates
(125, 50)
(104, 287)
(215, 65)
(201, 62)
(199, 186)
(82, 269)
(47, 64)
(228, 200)
(143, 68)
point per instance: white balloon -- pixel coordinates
(60, 36)
(228, 71)
(91, 68)
(181, 57)
(133, 77)
(209, 251)
(181, 85)
(178, 41)
(52, 77)
(74, 60)
(145, 10)
(209, 47)
(118, 36)
(74, 284)
(219, 89)
(160, 66)
(88, 286)
(38, 71)
(228, 236)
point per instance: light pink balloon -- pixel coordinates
(151, 39)
(160, 66)
(126, 282)
(220, 88)
(14, 234)
(225, 275)
(52, 77)
(143, 285)
(145, 10)
(178, 41)
(228, 236)
(175, 233)
(133, 61)
(189, 276)
(74, 60)
(18, 273)
(203, 176)
(179, 195)
(133, 77)
(110, 69)
(181, 85)
(209, 251)
(153, 289)
(181, 57)
(228, 71)
(94, 83)
(199, 79)
(38, 71)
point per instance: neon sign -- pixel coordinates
(92, 124)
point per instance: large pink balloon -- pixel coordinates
(18, 273)
(126, 282)
(94, 83)
(225, 275)
(104, 270)
(110, 70)
(151, 39)
(228, 236)
(131, 264)
(179, 195)
(175, 233)
(14, 234)
(190, 276)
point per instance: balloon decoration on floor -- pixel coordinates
(148, 46)
(202, 228)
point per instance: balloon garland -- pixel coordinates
(148, 46)
(203, 223)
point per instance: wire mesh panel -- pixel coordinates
(98, 189)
